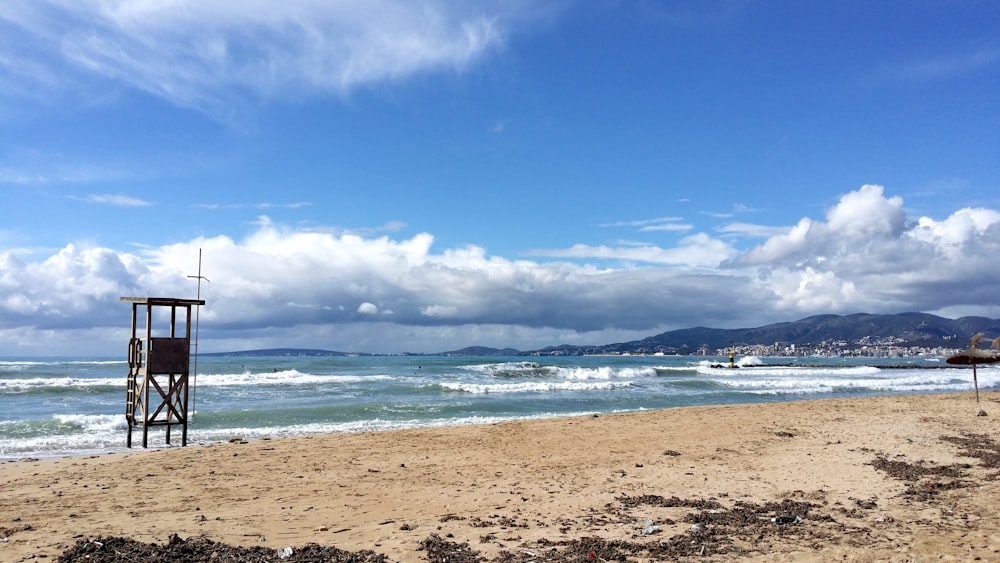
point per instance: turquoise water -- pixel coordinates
(68, 406)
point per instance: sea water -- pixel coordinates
(75, 406)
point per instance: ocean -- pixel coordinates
(75, 406)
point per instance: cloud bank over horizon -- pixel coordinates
(282, 286)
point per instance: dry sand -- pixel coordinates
(900, 478)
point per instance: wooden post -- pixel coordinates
(975, 381)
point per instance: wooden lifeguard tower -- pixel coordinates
(159, 366)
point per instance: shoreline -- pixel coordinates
(513, 486)
(159, 445)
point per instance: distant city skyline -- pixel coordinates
(389, 176)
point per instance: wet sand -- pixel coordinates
(876, 479)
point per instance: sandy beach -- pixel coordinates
(899, 478)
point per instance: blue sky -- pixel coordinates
(424, 175)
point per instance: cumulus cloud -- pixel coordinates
(281, 286)
(203, 54)
(862, 217)
(867, 256)
(69, 290)
(951, 235)
(867, 213)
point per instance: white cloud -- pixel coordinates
(205, 54)
(368, 308)
(440, 311)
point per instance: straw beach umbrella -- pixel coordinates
(976, 355)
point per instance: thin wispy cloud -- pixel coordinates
(657, 224)
(389, 227)
(693, 251)
(208, 54)
(738, 209)
(751, 230)
(22, 179)
(643, 222)
(947, 66)
(30, 178)
(117, 200)
(29, 165)
(667, 227)
(259, 205)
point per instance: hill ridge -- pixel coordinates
(900, 329)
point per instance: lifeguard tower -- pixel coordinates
(159, 366)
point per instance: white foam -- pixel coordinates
(87, 433)
(785, 371)
(284, 377)
(58, 382)
(35, 363)
(533, 387)
(94, 422)
(825, 380)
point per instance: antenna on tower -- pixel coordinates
(197, 322)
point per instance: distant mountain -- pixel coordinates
(906, 329)
(482, 351)
(278, 352)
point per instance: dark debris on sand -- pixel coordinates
(739, 531)
(196, 550)
(906, 471)
(979, 446)
(924, 477)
